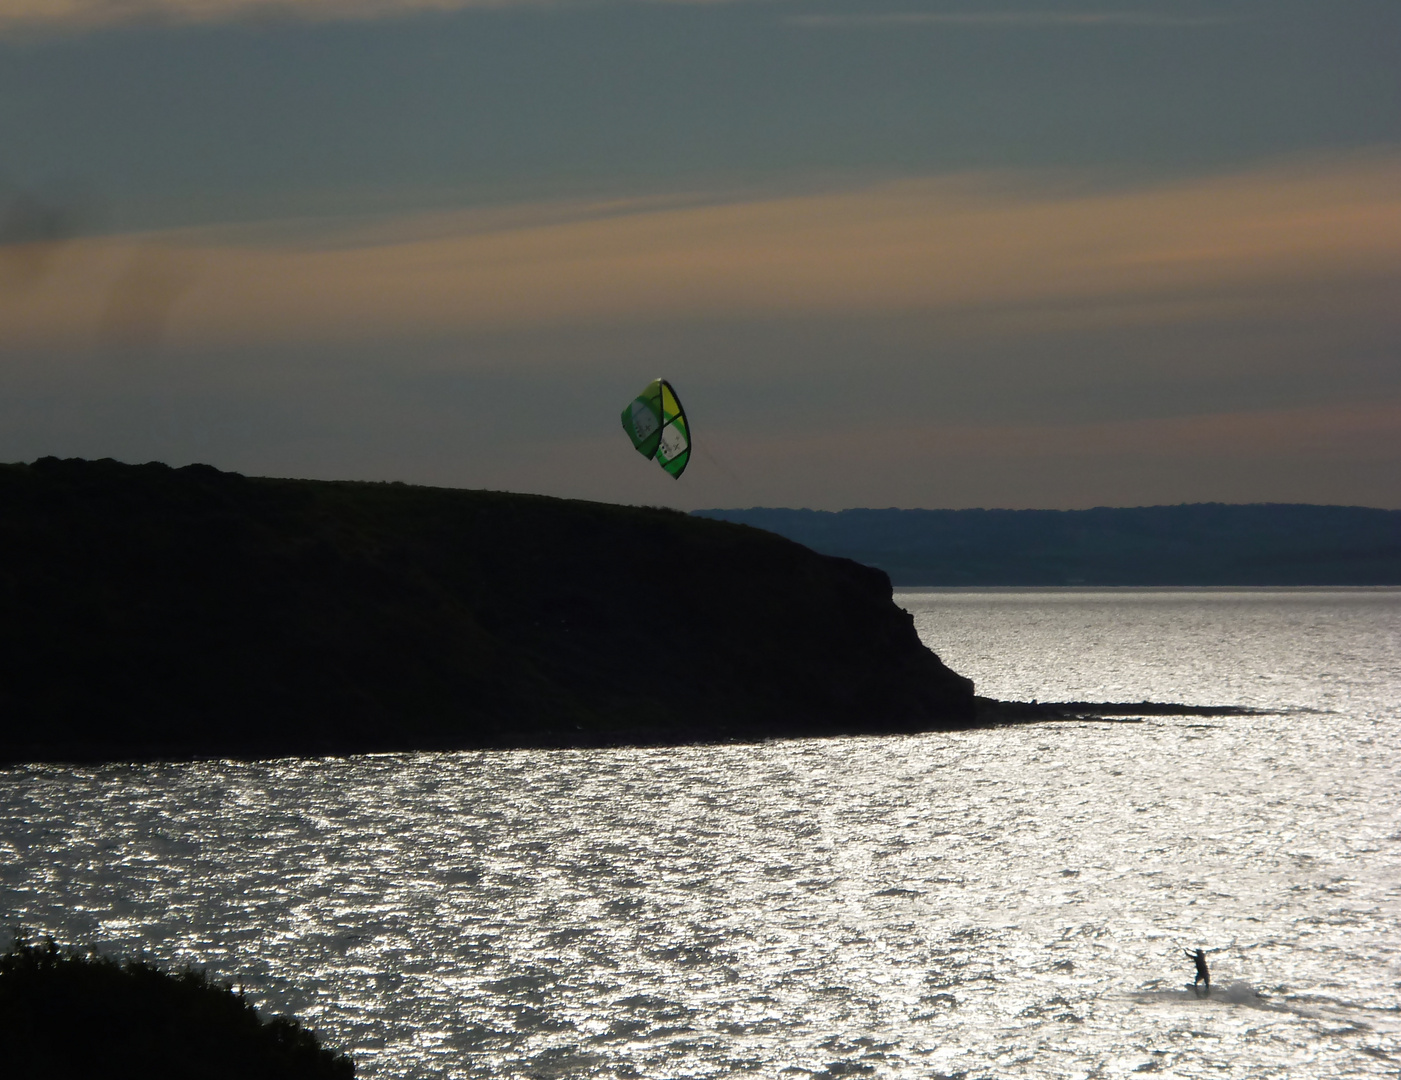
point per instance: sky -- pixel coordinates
(904, 253)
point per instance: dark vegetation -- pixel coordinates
(64, 1015)
(155, 612)
(1200, 544)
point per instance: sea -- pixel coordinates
(1007, 902)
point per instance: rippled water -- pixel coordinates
(995, 903)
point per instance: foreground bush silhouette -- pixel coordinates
(66, 1015)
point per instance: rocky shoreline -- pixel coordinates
(991, 712)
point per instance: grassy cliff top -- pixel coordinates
(151, 611)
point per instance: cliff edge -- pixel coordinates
(158, 612)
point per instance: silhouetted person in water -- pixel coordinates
(1203, 975)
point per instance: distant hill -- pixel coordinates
(1196, 544)
(149, 611)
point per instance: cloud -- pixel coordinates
(32, 231)
(1009, 20)
(142, 295)
(29, 17)
(1341, 454)
(20, 16)
(990, 255)
(1366, 430)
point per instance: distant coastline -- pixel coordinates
(1198, 544)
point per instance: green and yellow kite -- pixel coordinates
(656, 424)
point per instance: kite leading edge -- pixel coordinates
(656, 423)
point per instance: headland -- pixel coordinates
(152, 612)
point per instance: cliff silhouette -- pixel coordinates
(159, 612)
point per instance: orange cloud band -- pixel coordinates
(1322, 432)
(1329, 453)
(1004, 258)
(77, 15)
(90, 14)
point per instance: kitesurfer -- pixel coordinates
(1203, 975)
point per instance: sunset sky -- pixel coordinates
(1020, 254)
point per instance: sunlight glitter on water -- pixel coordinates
(1009, 902)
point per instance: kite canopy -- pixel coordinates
(656, 423)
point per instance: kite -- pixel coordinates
(656, 423)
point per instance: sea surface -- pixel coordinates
(1011, 902)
